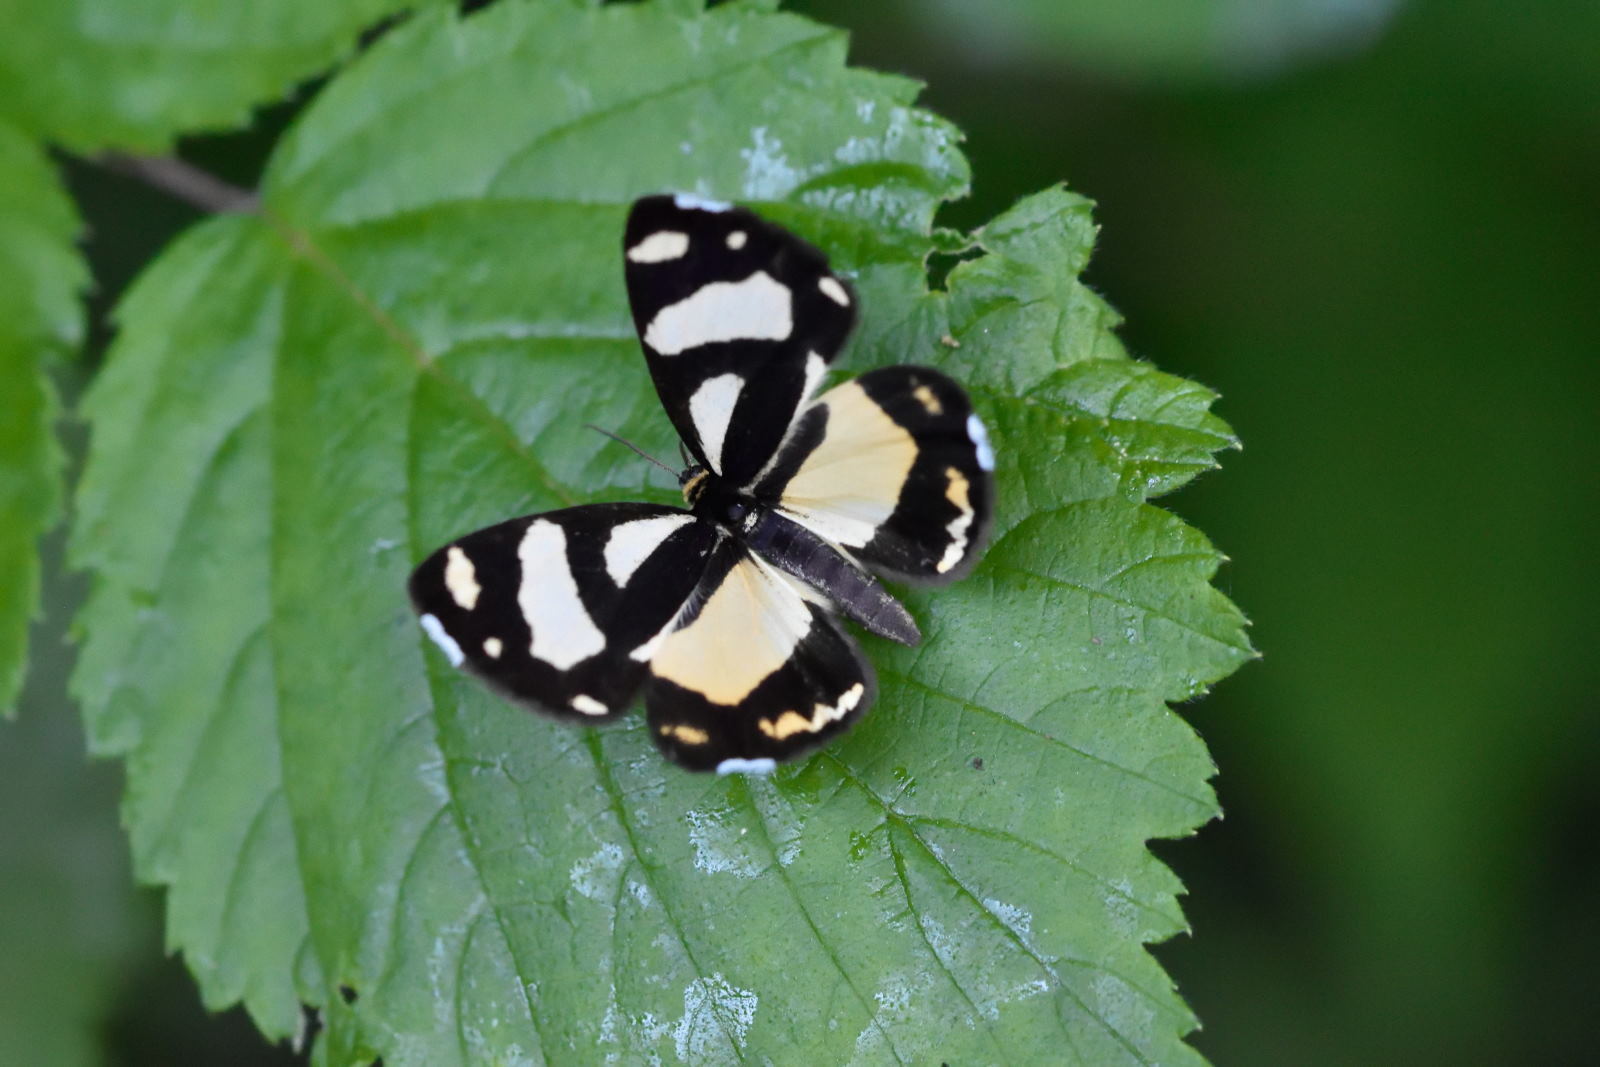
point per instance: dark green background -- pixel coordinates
(1386, 256)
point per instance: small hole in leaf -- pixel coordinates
(940, 264)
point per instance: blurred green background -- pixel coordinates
(1375, 228)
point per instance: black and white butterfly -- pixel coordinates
(724, 615)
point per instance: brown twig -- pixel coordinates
(184, 182)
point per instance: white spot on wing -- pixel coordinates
(492, 647)
(764, 765)
(833, 290)
(737, 239)
(461, 578)
(435, 629)
(980, 437)
(756, 309)
(631, 543)
(691, 202)
(588, 705)
(563, 633)
(660, 247)
(711, 409)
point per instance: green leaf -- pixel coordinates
(40, 276)
(407, 345)
(108, 73)
(176, 670)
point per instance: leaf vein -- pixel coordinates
(620, 810)
(1051, 739)
(1005, 927)
(822, 942)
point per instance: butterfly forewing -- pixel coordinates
(739, 319)
(550, 609)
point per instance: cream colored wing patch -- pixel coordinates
(746, 631)
(849, 485)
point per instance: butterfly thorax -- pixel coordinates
(711, 498)
(780, 541)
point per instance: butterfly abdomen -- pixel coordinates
(793, 548)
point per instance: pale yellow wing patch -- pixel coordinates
(747, 630)
(849, 485)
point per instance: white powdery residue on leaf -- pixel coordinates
(767, 173)
(857, 150)
(942, 944)
(782, 823)
(900, 124)
(443, 961)
(634, 1034)
(990, 1002)
(714, 1010)
(595, 876)
(1124, 1009)
(1018, 919)
(1121, 909)
(896, 1010)
(652, 1028)
(720, 848)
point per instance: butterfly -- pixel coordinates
(726, 615)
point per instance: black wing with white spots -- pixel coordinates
(739, 319)
(551, 610)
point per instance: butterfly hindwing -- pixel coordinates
(549, 609)
(758, 673)
(895, 468)
(739, 319)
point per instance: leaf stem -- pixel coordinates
(184, 181)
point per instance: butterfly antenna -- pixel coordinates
(636, 448)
